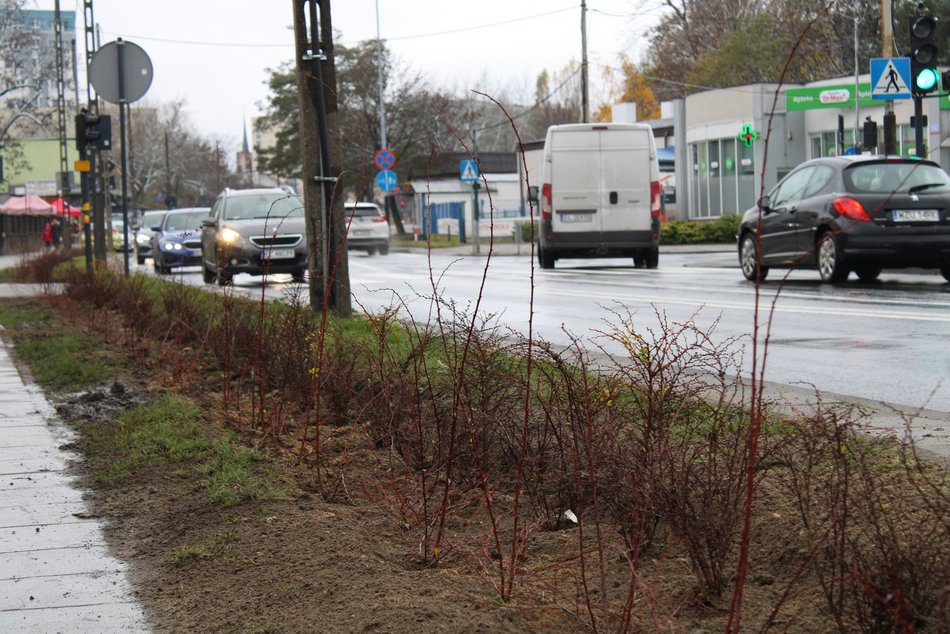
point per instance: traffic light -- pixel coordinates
(93, 130)
(925, 77)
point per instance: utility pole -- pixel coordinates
(585, 101)
(64, 172)
(326, 228)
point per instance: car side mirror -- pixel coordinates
(533, 194)
(156, 228)
(766, 203)
(207, 222)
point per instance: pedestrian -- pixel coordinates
(56, 232)
(48, 235)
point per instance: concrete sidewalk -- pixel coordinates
(56, 574)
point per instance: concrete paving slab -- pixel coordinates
(58, 561)
(26, 485)
(42, 514)
(61, 590)
(107, 618)
(75, 534)
(19, 464)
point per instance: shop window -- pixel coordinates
(730, 181)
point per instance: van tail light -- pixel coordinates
(656, 199)
(851, 209)
(546, 201)
(380, 218)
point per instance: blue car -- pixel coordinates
(177, 241)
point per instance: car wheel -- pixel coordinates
(207, 274)
(748, 259)
(297, 276)
(224, 279)
(159, 269)
(868, 273)
(653, 258)
(945, 271)
(639, 262)
(384, 250)
(545, 259)
(371, 251)
(831, 265)
(140, 259)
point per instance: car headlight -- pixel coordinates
(229, 236)
(142, 239)
(171, 246)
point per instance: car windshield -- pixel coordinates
(117, 221)
(363, 211)
(264, 206)
(183, 222)
(897, 176)
(152, 219)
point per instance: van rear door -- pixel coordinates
(575, 181)
(626, 172)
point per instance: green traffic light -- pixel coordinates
(927, 79)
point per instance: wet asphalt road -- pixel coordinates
(884, 342)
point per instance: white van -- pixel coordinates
(600, 193)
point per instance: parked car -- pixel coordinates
(366, 228)
(144, 232)
(119, 232)
(851, 213)
(255, 231)
(177, 240)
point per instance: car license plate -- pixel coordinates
(576, 217)
(360, 232)
(276, 254)
(916, 215)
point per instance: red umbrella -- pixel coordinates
(29, 205)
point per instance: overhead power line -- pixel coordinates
(290, 44)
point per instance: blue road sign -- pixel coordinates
(890, 78)
(386, 180)
(468, 170)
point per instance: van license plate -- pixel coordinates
(916, 215)
(276, 254)
(576, 217)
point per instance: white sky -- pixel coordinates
(215, 54)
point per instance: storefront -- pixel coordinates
(741, 141)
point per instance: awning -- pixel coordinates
(29, 205)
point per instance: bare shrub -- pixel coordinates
(875, 519)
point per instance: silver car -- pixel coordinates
(254, 231)
(144, 232)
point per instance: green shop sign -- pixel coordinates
(840, 96)
(828, 97)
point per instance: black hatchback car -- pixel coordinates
(851, 213)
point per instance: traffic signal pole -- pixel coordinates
(887, 46)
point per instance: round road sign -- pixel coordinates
(384, 159)
(136, 72)
(386, 180)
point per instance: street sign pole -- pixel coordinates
(475, 218)
(120, 54)
(920, 150)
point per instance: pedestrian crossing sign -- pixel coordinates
(469, 171)
(890, 78)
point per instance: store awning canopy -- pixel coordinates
(62, 208)
(29, 205)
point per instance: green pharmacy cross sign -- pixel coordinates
(748, 136)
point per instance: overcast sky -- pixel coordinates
(216, 54)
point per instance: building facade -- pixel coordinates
(734, 144)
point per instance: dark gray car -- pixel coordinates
(254, 231)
